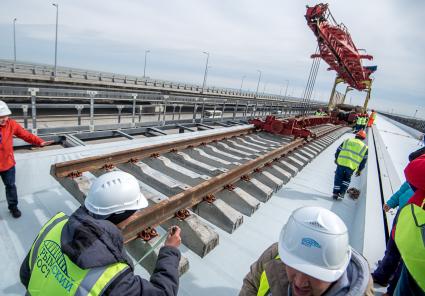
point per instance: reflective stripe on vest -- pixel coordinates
(352, 153)
(264, 288)
(410, 241)
(53, 273)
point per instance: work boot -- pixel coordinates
(16, 213)
(335, 196)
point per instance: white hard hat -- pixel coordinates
(315, 242)
(115, 192)
(4, 110)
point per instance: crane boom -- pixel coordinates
(337, 48)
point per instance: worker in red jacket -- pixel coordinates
(409, 233)
(8, 129)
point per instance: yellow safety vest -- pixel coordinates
(53, 273)
(373, 115)
(359, 120)
(352, 153)
(410, 241)
(264, 287)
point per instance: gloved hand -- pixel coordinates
(386, 208)
(358, 173)
(173, 239)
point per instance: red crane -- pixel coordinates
(337, 48)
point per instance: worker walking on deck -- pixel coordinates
(372, 118)
(8, 129)
(350, 156)
(84, 254)
(312, 257)
(409, 233)
(389, 268)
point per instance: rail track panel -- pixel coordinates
(219, 178)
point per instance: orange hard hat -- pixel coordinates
(361, 134)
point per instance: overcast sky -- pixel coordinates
(241, 36)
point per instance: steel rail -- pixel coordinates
(75, 167)
(165, 210)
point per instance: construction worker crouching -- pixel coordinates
(312, 257)
(350, 156)
(8, 129)
(84, 254)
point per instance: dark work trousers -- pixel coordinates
(406, 285)
(8, 178)
(389, 268)
(342, 179)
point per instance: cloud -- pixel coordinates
(241, 35)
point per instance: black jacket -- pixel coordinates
(90, 243)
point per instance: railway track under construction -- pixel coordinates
(219, 177)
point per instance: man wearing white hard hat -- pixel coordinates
(84, 254)
(8, 129)
(312, 257)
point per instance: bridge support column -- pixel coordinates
(235, 110)
(366, 102)
(25, 112)
(133, 114)
(331, 103)
(195, 110)
(33, 92)
(79, 109)
(203, 110)
(140, 113)
(119, 107)
(224, 108)
(164, 114)
(174, 111)
(92, 94)
(347, 89)
(246, 111)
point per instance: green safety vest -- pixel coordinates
(410, 241)
(53, 273)
(264, 287)
(373, 115)
(352, 153)
(359, 120)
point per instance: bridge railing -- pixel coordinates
(47, 71)
(76, 110)
(24, 70)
